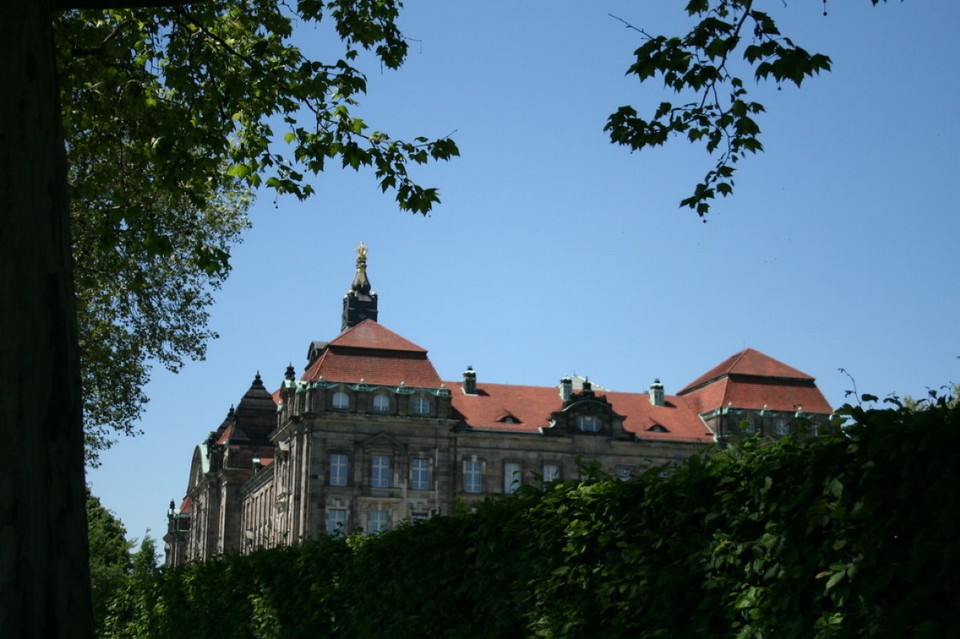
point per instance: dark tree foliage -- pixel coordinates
(708, 68)
(109, 556)
(854, 534)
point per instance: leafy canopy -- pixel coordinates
(110, 561)
(848, 534)
(173, 117)
(703, 68)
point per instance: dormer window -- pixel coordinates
(381, 403)
(588, 423)
(420, 405)
(341, 401)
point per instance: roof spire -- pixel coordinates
(360, 302)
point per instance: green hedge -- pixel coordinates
(848, 536)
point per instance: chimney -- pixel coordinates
(470, 381)
(656, 393)
(566, 388)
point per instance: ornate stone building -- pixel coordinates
(370, 436)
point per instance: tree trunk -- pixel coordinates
(44, 581)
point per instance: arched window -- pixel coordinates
(341, 401)
(420, 405)
(381, 403)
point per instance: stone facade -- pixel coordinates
(370, 436)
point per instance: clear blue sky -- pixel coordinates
(555, 252)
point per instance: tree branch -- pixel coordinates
(250, 62)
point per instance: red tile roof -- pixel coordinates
(186, 506)
(747, 362)
(757, 393)
(533, 405)
(369, 334)
(675, 415)
(376, 355)
(225, 434)
(529, 405)
(750, 379)
(373, 354)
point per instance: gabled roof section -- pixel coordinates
(757, 393)
(751, 379)
(373, 354)
(748, 362)
(371, 335)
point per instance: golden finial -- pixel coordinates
(360, 282)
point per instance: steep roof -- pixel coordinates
(376, 355)
(747, 362)
(757, 394)
(492, 407)
(751, 379)
(257, 401)
(371, 335)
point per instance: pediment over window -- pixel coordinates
(381, 441)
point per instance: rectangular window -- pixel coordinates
(472, 477)
(420, 473)
(380, 471)
(338, 469)
(511, 478)
(341, 401)
(420, 405)
(551, 472)
(377, 521)
(336, 521)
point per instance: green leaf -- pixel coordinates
(834, 579)
(239, 171)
